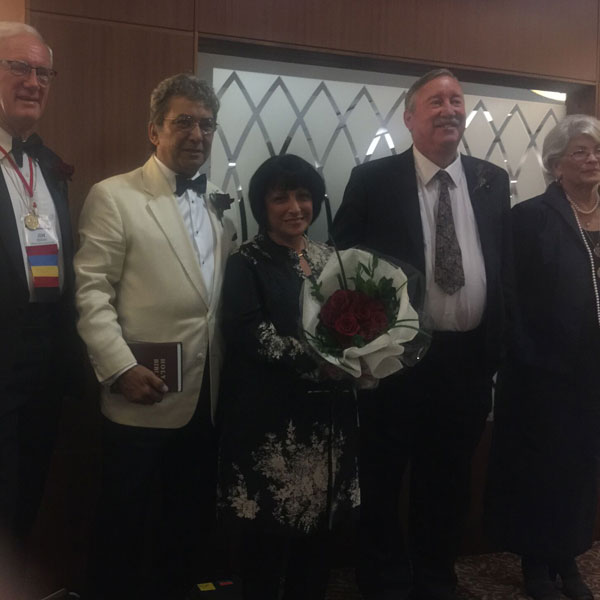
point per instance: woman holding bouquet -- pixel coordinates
(542, 493)
(288, 436)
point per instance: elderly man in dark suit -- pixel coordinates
(447, 215)
(37, 315)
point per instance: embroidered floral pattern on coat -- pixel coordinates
(298, 478)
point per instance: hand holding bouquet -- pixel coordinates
(360, 323)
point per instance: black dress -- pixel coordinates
(541, 498)
(288, 451)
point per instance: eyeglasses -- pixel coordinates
(186, 123)
(22, 69)
(583, 154)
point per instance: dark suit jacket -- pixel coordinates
(557, 323)
(380, 211)
(14, 291)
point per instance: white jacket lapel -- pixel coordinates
(163, 206)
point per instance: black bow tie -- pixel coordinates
(185, 183)
(31, 146)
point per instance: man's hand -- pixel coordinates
(142, 386)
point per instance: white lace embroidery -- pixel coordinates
(274, 346)
(297, 479)
(244, 506)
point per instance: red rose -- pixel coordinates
(362, 313)
(377, 324)
(335, 305)
(340, 299)
(376, 305)
(327, 315)
(359, 299)
(346, 325)
(360, 304)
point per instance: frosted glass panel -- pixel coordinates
(339, 118)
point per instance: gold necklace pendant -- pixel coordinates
(32, 222)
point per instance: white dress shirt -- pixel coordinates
(463, 310)
(194, 213)
(21, 203)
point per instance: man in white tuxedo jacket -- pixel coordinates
(153, 247)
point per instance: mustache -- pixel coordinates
(453, 121)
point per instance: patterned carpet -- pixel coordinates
(481, 577)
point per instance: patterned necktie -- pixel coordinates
(31, 146)
(184, 183)
(448, 274)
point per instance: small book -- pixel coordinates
(164, 359)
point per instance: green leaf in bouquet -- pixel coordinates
(358, 341)
(343, 281)
(316, 290)
(325, 340)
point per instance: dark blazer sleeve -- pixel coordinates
(55, 173)
(489, 191)
(506, 291)
(349, 224)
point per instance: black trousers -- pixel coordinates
(29, 411)
(156, 518)
(303, 563)
(431, 419)
(27, 436)
(30, 396)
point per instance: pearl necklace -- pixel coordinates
(581, 210)
(591, 258)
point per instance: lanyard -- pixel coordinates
(28, 186)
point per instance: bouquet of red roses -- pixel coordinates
(362, 322)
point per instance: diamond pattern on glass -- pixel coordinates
(337, 124)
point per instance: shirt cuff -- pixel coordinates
(113, 378)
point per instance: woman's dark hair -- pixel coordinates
(284, 172)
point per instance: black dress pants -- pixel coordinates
(299, 565)
(29, 411)
(156, 522)
(430, 418)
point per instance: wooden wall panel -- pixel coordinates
(12, 10)
(175, 14)
(557, 38)
(97, 112)
(552, 38)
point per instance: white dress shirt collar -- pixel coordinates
(427, 170)
(169, 174)
(194, 212)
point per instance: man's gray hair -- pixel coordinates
(184, 84)
(419, 83)
(558, 139)
(10, 29)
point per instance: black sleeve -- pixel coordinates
(246, 323)
(350, 220)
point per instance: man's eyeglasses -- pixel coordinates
(583, 154)
(22, 69)
(185, 123)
